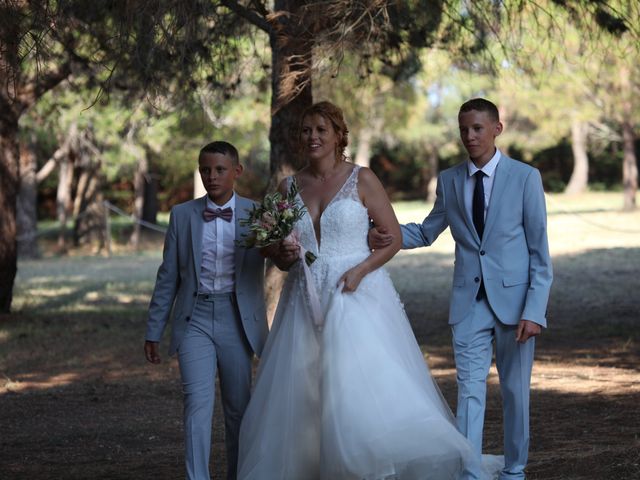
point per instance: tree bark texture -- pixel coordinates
(291, 93)
(9, 182)
(26, 208)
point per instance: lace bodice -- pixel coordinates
(344, 224)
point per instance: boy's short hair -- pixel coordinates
(224, 148)
(481, 105)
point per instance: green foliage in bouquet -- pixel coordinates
(273, 220)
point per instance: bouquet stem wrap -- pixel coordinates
(312, 293)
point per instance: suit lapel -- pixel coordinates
(458, 185)
(196, 222)
(502, 173)
(242, 205)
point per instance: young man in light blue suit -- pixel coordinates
(212, 288)
(496, 211)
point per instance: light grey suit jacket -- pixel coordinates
(513, 257)
(178, 277)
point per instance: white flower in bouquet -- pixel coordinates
(273, 220)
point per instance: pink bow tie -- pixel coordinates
(225, 214)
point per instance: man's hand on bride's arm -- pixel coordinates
(352, 278)
(526, 330)
(379, 237)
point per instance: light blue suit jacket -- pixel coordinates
(513, 257)
(178, 277)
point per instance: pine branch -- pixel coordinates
(249, 15)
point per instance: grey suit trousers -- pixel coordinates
(213, 342)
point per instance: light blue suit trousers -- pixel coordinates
(473, 339)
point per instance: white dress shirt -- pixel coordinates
(217, 273)
(470, 183)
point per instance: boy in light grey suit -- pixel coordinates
(496, 211)
(213, 290)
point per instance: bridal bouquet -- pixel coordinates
(273, 220)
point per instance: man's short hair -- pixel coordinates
(224, 148)
(481, 105)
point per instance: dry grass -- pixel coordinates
(77, 400)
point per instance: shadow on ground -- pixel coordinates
(77, 400)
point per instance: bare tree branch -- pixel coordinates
(55, 159)
(249, 15)
(31, 91)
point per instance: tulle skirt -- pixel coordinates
(352, 400)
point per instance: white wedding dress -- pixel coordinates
(354, 399)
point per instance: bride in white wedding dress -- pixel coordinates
(352, 399)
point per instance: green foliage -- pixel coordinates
(557, 66)
(174, 90)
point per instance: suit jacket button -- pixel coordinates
(477, 279)
(195, 294)
(187, 319)
(481, 252)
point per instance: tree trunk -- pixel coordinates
(629, 167)
(26, 208)
(363, 153)
(63, 199)
(150, 206)
(139, 181)
(80, 200)
(291, 55)
(291, 93)
(89, 225)
(433, 172)
(629, 160)
(80, 205)
(9, 184)
(580, 175)
(16, 95)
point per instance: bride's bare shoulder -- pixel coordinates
(283, 186)
(367, 178)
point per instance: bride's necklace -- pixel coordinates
(323, 177)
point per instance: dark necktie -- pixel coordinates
(478, 217)
(225, 214)
(478, 203)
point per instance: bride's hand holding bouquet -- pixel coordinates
(271, 225)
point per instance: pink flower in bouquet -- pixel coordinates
(268, 220)
(274, 219)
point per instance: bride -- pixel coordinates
(352, 398)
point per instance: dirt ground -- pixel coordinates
(78, 401)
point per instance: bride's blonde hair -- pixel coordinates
(334, 114)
